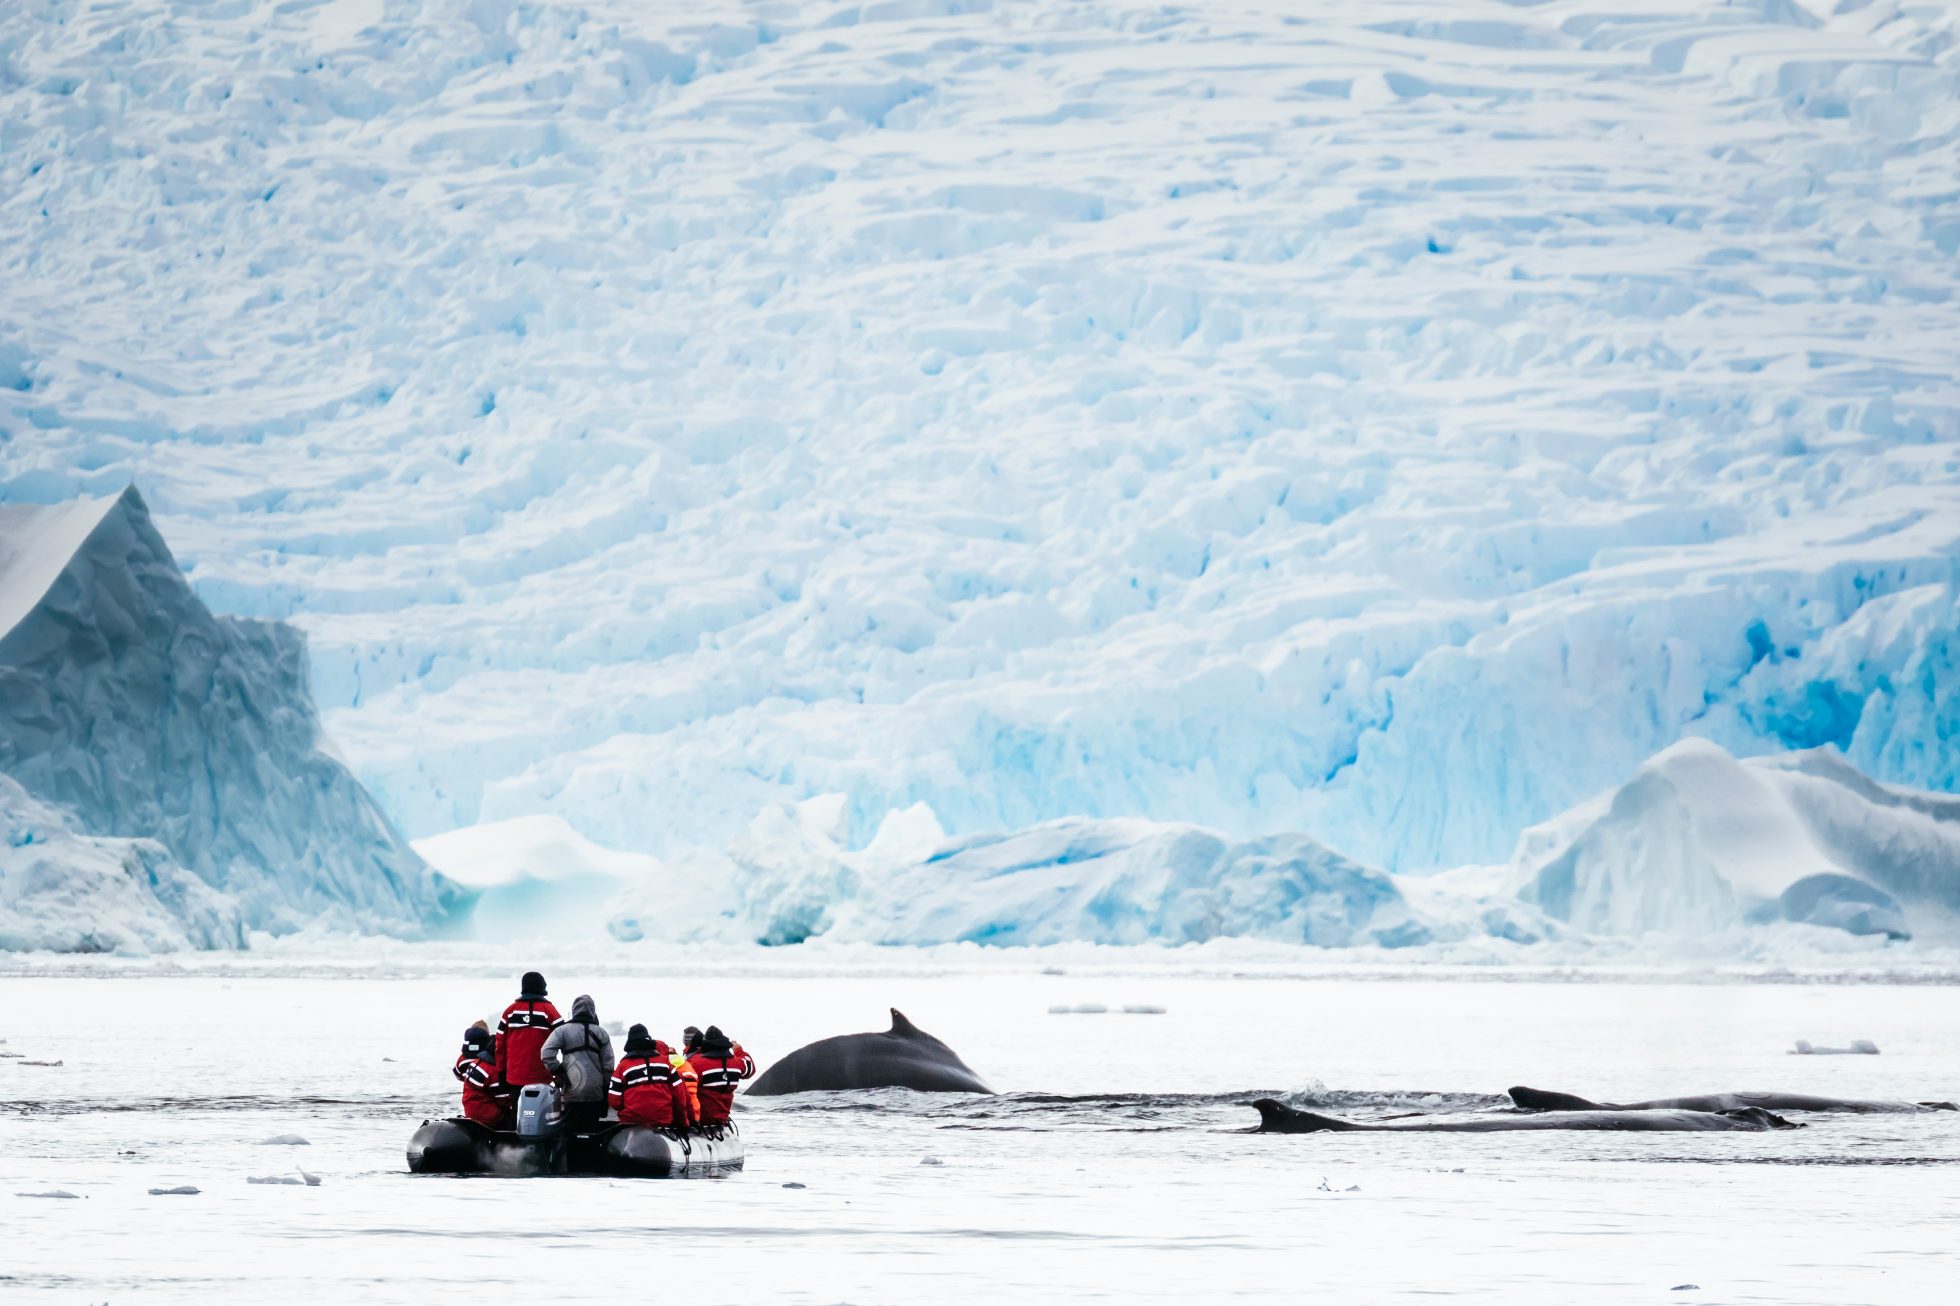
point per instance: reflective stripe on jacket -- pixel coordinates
(646, 1090)
(521, 1033)
(485, 1099)
(719, 1076)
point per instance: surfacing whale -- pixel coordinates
(904, 1056)
(1278, 1118)
(1537, 1099)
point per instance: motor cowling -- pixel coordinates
(539, 1114)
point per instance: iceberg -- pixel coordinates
(163, 777)
(534, 877)
(1697, 845)
(1128, 881)
(1699, 842)
(791, 879)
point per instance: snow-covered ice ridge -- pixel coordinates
(1393, 420)
(162, 782)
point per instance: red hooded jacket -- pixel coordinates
(719, 1075)
(485, 1099)
(647, 1090)
(526, 1024)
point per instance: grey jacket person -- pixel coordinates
(579, 1053)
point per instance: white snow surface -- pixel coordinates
(1389, 419)
(161, 780)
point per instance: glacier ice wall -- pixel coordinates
(1391, 421)
(132, 713)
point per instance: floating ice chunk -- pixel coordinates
(52, 1192)
(930, 1160)
(41, 1063)
(1857, 1047)
(1142, 1009)
(182, 1190)
(284, 1140)
(296, 1180)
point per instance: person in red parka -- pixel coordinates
(485, 1099)
(521, 1033)
(721, 1064)
(646, 1089)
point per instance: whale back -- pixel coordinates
(1538, 1099)
(903, 1056)
(1759, 1118)
(1278, 1118)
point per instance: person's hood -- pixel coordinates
(583, 1010)
(718, 1047)
(638, 1041)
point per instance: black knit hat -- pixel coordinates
(476, 1039)
(638, 1040)
(717, 1041)
(533, 985)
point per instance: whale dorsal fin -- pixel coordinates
(1270, 1112)
(1278, 1118)
(1537, 1099)
(901, 1027)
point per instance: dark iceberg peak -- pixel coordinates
(128, 702)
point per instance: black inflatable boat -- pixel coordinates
(540, 1145)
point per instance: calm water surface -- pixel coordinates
(1113, 1168)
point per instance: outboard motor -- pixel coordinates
(539, 1116)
